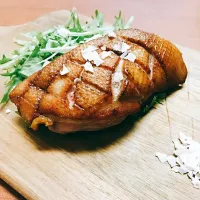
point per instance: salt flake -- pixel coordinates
(171, 160)
(124, 55)
(131, 57)
(90, 54)
(175, 169)
(183, 169)
(64, 70)
(177, 144)
(88, 67)
(90, 48)
(196, 182)
(122, 47)
(190, 174)
(186, 158)
(106, 54)
(184, 139)
(117, 47)
(162, 157)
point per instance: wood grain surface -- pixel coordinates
(84, 149)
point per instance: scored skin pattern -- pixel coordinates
(158, 66)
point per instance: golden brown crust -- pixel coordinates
(101, 78)
(164, 51)
(158, 66)
(41, 120)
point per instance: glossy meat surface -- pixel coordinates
(85, 100)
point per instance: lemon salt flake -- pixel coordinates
(64, 70)
(105, 54)
(90, 54)
(162, 157)
(185, 158)
(90, 48)
(128, 56)
(131, 57)
(125, 47)
(88, 67)
(122, 47)
(172, 161)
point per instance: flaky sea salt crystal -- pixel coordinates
(90, 54)
(125, 47)
(177, 144)
(124, 55)
(90, 48)
(178, 160)
(196, 182)
(88, 67)
(162, 157)
(184, 139)
(117, 47)
(64, 70)
(183, 169)
(105, 54)
(186, 158)
(171, 160)
(175, 169)
(131, 57)
(122, 47)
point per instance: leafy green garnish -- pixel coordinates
(98, 18)
(119, 21)
(38, 48)
(157, 98)
(9, 86)
(16, 52)
(4, 60)
(74, 25)
(35, 52)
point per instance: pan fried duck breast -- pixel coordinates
(99, 83)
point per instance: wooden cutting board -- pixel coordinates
(117, 163)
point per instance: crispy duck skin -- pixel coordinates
(83, 101)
